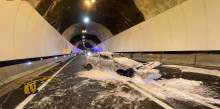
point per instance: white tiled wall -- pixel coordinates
(191, 25)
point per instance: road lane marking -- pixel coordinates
(164, 105)
(198, 101)
(30, 97)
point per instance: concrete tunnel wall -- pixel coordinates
(192, 59)
(24, 33)
(190, 26)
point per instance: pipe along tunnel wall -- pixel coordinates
(13, 72)
(195, 59)
(25, 34)
(190, 26)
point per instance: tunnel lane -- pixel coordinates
(78, 92)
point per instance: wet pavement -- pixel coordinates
(75, 92)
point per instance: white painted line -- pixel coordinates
(198, 101)
(30, 97)
(164, 105)
(207, 104)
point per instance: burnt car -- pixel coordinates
(120, 64)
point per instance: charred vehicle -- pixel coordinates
(122, 65)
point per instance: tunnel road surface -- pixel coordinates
(75, 92)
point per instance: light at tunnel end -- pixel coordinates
(89, 53)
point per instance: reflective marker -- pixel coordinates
(28, 63)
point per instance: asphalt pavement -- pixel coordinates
(75, 92)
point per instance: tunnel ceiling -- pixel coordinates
(116, 15)
(92, 28)
(108, 17)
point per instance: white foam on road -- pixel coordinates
(181, 89)
(118, 92)
(110, 75)
(30, 97)
(195, 70)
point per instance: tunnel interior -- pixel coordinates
(111, 54)
(78, 38)
(115, 15)
(84, 46)
(80, 41)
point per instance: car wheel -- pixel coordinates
(120, 72)
(89, 67)
(129, 72)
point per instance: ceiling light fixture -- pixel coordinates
(86, 20)
(87, 2)
(93, 1)
(84, 31)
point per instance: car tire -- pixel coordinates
(129, 73)
(120, 72)
(89, 67)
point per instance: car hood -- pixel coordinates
(127, 62)
(137, 66)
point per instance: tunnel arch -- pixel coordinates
(86, 41)
(92, 28)
(90, 37)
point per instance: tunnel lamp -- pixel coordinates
(87, 2)
(86, 20)
(28, 63)
(93, 1)
(84, 31)
(55, 57)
